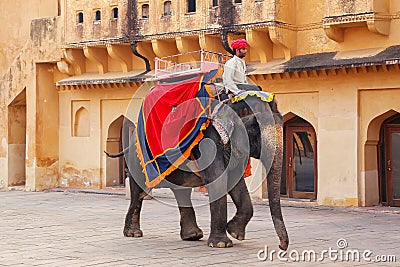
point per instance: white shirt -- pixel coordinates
(234, 73)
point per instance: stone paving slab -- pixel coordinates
(81, 229)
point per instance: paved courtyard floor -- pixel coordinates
(81, 229)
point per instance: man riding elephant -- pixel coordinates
(234, 76)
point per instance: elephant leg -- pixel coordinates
(241, 198)
(189, 228)
(218, 237)
(211, 162)
(217, 191)
(132, 219)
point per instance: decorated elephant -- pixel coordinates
(247, 125)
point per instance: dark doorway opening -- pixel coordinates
(299, 177)
(17, 140)
(389, 162)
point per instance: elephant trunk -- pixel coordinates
(275, 145)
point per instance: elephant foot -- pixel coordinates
(219, 242)
(192, 234)
(235, 230)
(133, 232)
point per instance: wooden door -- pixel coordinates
(301, 161)
(392, 158)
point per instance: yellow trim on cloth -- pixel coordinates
(260, 95)
(176, 164)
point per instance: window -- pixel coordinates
(167, 8)
(97, 16)
(82, 123)
(115, 13)
(79, 17)
(145, 11)
(215, 3)
(237, 1)
(191, 6)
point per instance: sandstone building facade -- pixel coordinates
(71, 70)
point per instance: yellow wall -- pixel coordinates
(30, 40)
(82, 161)
(47, 128)
(347, 117)
(13, 36)
(375, 107)
(90, 30)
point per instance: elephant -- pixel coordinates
(221, 164)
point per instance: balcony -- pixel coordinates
(341, 14)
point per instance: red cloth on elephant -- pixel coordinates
(171, 120)
(247, 170)
(171, 111)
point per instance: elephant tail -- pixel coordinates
(120, 154)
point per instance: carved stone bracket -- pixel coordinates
(188, 44)
(379, 25)
(98, 56)
(284, 38)
(334, 33)
(260, 41)
(163, 48)
(76, 58)
(64, 67)
(122, 54)
(211, 43)
(145, 49)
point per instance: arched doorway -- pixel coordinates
(118, 137)
(299, 177)
(17, 140)
(389, 161)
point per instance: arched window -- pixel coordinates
(97, 15)
(82, 123)
(167, 8)
(215, 3)
(115, 13)
(79, 17)
(145, 11)
(191, 6)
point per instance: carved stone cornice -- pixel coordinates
(331, 64)
(321, 73)
(87, 85)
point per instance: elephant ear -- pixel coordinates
(222, 119)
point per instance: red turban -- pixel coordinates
(239, 44)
